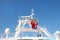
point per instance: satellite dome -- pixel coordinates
(7, 30)
(57, 32)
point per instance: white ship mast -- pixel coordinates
(27, 21)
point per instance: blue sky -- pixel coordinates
(47, 12)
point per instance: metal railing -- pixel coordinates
(22, 36)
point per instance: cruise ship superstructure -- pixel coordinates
(33, 27)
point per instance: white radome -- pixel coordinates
(57, 32)
(7, 31)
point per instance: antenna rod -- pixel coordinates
(32, 11)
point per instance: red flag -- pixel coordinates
(34, 24)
